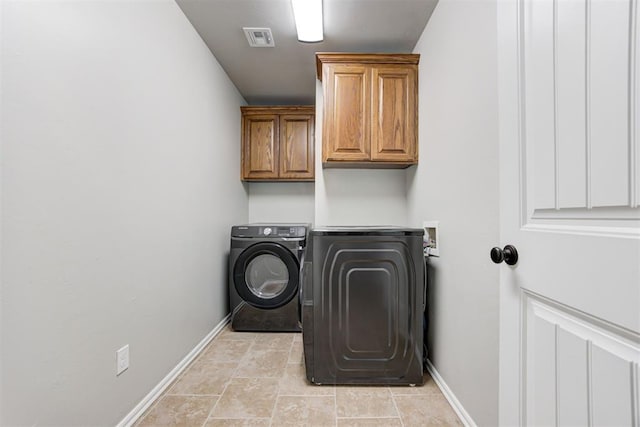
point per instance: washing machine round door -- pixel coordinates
(266, 275)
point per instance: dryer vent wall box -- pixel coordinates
(431, 238)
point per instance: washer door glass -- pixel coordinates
(266, 276)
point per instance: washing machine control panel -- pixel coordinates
(282, 231)
(270, 230)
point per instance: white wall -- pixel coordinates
(338, 196)
(456, 182)
(356, 196)
(281, 202)
(1, 192)
(120, 137)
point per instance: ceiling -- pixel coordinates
(285, 74)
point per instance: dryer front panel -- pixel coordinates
(367, 303)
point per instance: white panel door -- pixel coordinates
(570, 190)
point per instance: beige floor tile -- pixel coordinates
(296, 353)
(366, 402)
(238, 422)
(229, 334)
(273, 341)
(247, 398)
(204, 377)
(263, 363)
(304, 411)
(429, 387)
(363, 422)
(426, 410)
(179, 411)
(259, 379)
(226, 350)
(294, 383)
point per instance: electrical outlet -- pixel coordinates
(122, 360)
(431, 238)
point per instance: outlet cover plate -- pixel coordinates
(122, 360)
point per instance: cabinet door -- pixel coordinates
(296, 147)
(346, 112)
(260, 147)
(394, 114)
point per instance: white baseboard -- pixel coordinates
(448, 394)
(137, 412)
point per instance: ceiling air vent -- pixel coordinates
(259, 37)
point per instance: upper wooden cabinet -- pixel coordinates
(370, 114)
(277, 143)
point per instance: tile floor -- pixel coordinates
(258, 379)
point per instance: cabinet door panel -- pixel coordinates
(260, 150)
(393, 114)
(346, 114)
(296, 146)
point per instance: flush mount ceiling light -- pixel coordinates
(308, 16)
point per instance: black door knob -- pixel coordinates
(509, 255)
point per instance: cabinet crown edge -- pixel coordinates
(364, 58)
(279, 109)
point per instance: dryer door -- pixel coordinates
(265, 275)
